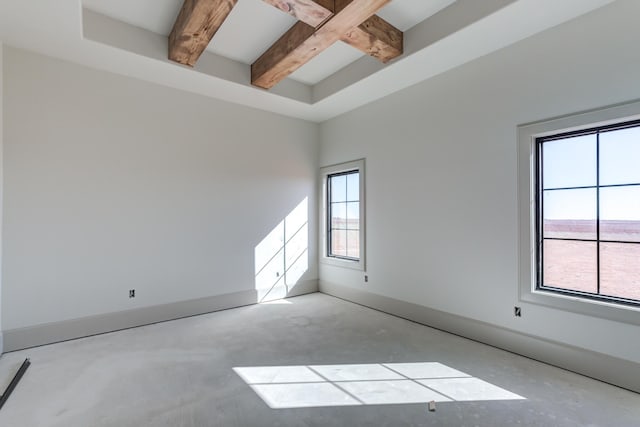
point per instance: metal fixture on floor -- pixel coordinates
(14, 382)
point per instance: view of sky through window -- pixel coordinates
(590, 207)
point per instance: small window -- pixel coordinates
(579, 213)
(343, 214)
(589, 213)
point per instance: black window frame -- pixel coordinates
(539, 212)
(329, 203)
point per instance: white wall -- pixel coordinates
(442, 181)
(113, 183)
(1, 185)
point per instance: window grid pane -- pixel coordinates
(620, 214)
(580, 251)
(344, 215)
(571, 265)
(570, 214)
(620, 270)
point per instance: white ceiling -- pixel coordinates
(266, 24)
(128, 37)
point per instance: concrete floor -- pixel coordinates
(180, 373)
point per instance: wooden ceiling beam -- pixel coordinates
(303, 42)
(377, 38)
(194, 28)
(311, 12)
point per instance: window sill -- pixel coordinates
(576, 304)
(344, 263)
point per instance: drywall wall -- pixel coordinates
(441, 175)
(1, 186)
(113, 184)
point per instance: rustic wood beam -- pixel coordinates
(283, 57)
(377, 38)
(311, 12)
(194, 28)
(303, 42)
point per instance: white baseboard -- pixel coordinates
(32, 336)
(620, 372)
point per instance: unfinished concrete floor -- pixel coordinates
(180, 373)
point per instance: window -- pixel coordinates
(589, 213)
(579, 211)
(343, 213)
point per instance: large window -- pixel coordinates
(579, 213)
(343, 214)
(588, 232)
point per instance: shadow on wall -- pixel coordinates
(282, 257)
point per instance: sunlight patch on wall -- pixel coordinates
(281, 258)
(366, 384)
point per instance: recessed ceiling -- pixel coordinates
(129, 37)
(404, 14)
(253, 26)
(153, 15)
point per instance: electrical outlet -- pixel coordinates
(132, 293)
(517, 311)
(366, 278)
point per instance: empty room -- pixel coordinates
(319, 213)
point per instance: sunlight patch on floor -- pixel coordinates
(366, 384)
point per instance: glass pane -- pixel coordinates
(620, 214)
(570, 214)
(353, 216)
(619, 156)
(353, 187)
(338, 188)
(570, 265)
(338, 243)
(569, 162)
(353, 244)
(339, 215)
(620, 270)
